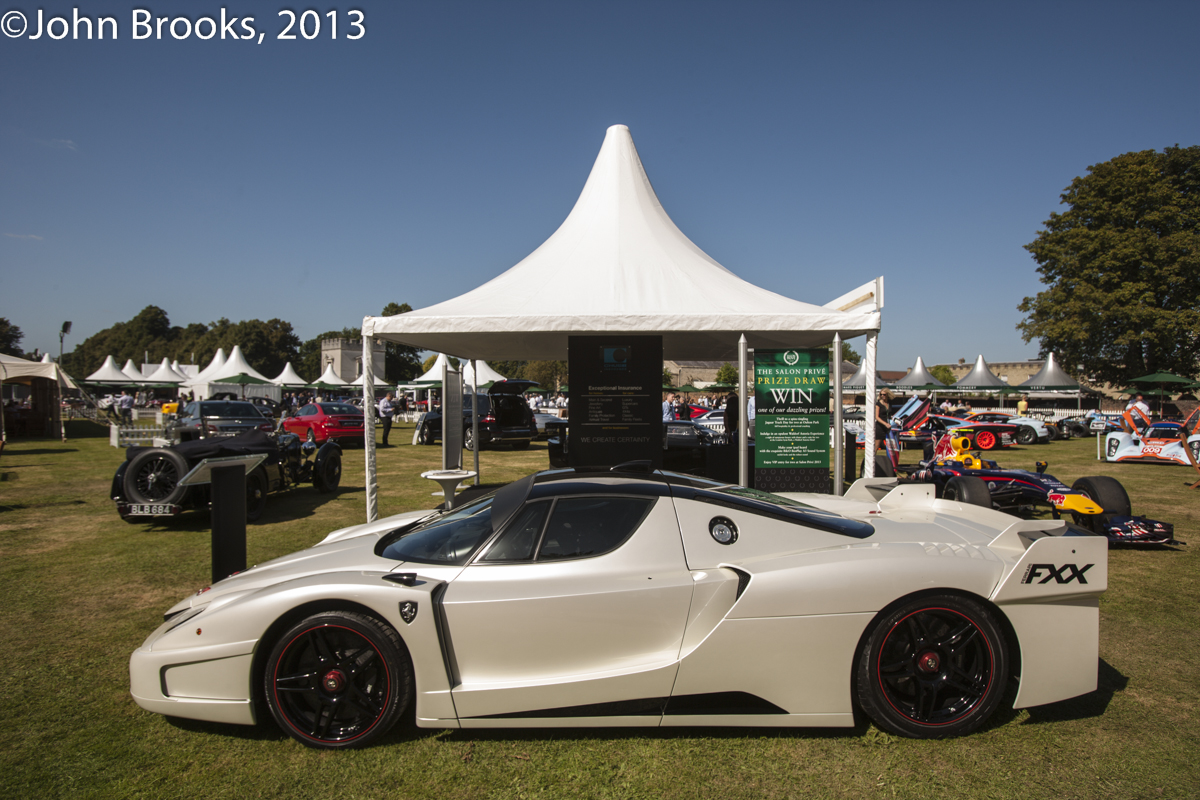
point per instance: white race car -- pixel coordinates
(582, 598)
(1143, 440)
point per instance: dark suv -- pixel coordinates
(205, 418)
(505, 418)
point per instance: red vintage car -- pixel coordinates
(321, 422)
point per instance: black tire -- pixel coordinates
(153, 476)
(311, 438)
(426, 436)
(257, 487)
(520, 445)
(338, 679)
(1053, 433)
(327, 476)
(469, 439)
(1027, 435)
(1109, 494)
(968, 489)
(1078, 431)
(883, 467)
(932, 668)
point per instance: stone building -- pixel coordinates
(346, 357)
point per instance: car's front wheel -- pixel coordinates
(338, 679)
(257, 487)
(1109, 494)
(932, 668)
(985, 440)
(312, 436)
(1027, 435)
(968, 489)
(327, 474)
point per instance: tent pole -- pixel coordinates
(475, 416)
(839, 435)
(369, 426)
(743, 423)
(869, 411)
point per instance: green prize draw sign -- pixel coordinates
(791, 425)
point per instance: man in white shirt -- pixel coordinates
(386, 412)
(750, 416)
(668, 408)
(1140, 404)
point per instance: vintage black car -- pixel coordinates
(147, 484)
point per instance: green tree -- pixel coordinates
(1123, 269)
(10, 338)
(727, 374)
(401, 362)
(548, 374)
(848, 353)
(668, 377)
(943, 374)
(513, 370)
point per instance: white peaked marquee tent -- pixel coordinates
(165, 374)
(109, 372)
(918, 377)
(486, 376)
(132, 372)
(289, 377)
(622, 266)
(980, 378)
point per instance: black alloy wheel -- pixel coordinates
(153, 476)
(338, 679)
(427, 436)
(328, 473)
(1027, 435)
(933, 668)
(469, 439)
(312, 436)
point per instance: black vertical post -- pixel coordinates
(850, 445)
(228, 521)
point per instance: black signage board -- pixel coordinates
(615, 400)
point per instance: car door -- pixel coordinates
(580, 603)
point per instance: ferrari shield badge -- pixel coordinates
(408, 611)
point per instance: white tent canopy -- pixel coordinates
(235, 366)
(289, 377)
(620, 265)
(217, 362)
(1051, 377)
(434, 373)
(859, 378)
(918, 377)
(980, 378)
(109, 372)
(486, 374)
(165, 374)
(330, 377)
(132, 372)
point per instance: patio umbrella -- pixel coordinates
(1161, 379)
(687, 388)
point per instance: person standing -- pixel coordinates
(125, 406)
(750, 416)
(668, 408)
(883, 415)
(732, 412)
(1140, 404)
(1023, 405)
(386, 412)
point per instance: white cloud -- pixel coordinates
(23, 236)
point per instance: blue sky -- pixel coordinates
(808, 147)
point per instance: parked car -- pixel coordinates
(201, 419)
(983, 435)
(324, 421)
(1098, 503)
(1155, 442)
(505, 418)
(1030, 430)
(642, 599)
(542, 420)
(147, 484)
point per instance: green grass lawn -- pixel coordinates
(80, 589)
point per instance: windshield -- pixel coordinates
(221, 408)
(448, 538)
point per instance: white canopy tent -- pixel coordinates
(918, 377)
(23, 371)
(132, 372)
(622, 265)
(289, 377)
(434, 373)
(329, 378)
(217, 362)
(165, 374)
(486, 374)
(109, 372)
(980, 378)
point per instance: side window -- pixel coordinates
(307, 410)
(521, 537)
(581, 527)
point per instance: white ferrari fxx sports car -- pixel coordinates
(625, 598)
(1164, 442)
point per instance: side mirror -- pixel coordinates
(1041, 466)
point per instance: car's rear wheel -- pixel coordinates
(426, 436)
(153, 476)
(469, 439)
(1053, 433)
(338, 679)
(968, 489)
(1109, 494)
(256, 495)
(932, 668)
(328, 473)
(312, 436)
(1027, 435)
(985, 440)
